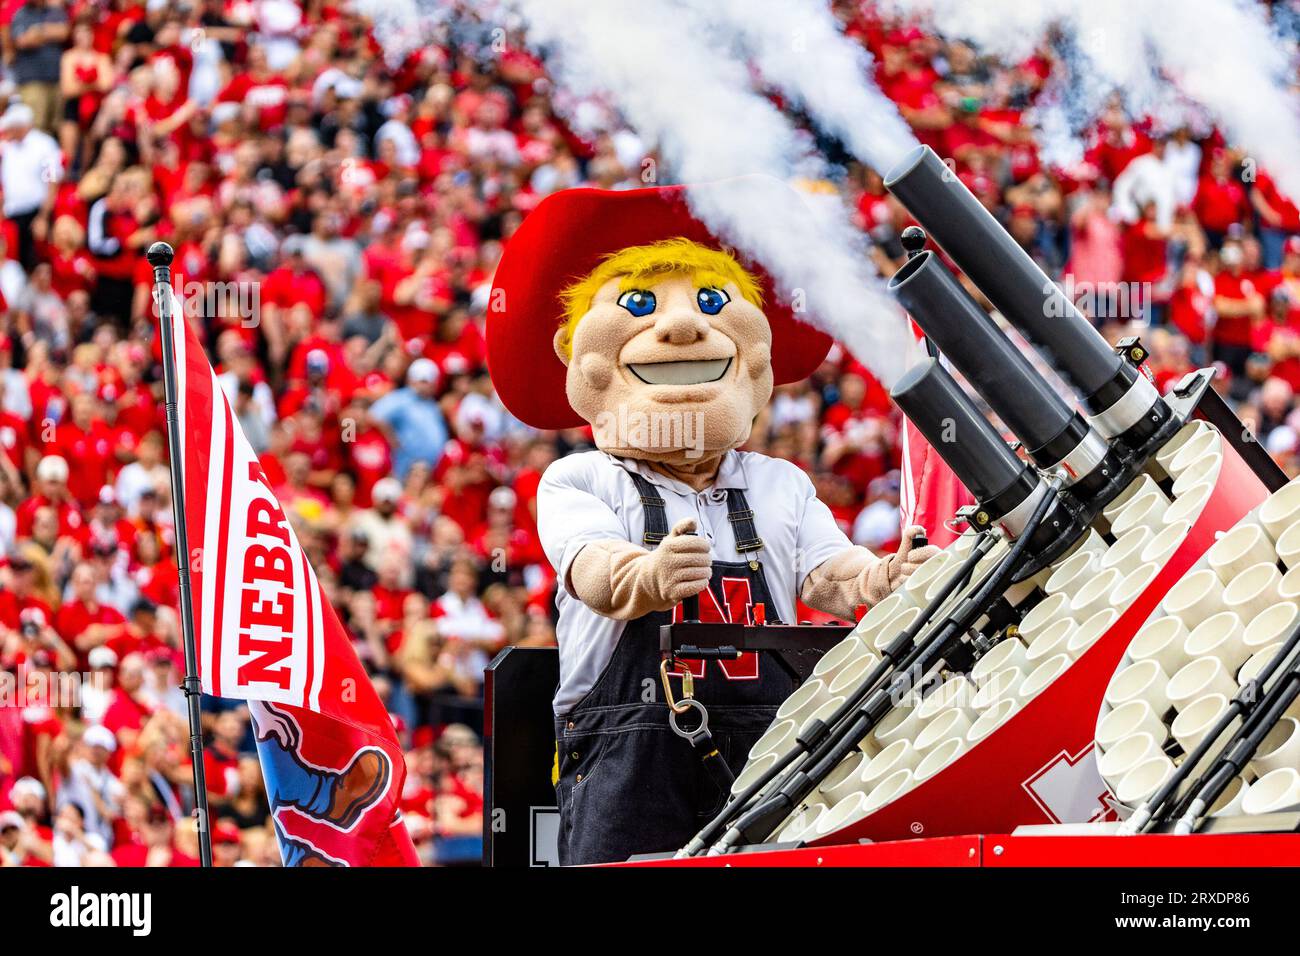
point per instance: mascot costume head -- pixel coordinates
(609, 300)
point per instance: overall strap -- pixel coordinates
(656, 516)
(741, 517)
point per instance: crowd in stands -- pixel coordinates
(337, 217)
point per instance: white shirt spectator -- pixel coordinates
(85, 781)
(465, 618)
(119, 591)
(205, 78)
(13, 282)
(27, 167)
(1146, 179)
(263, 397)
(468, 620)
(1185, 161)
(386, 535)
(71, 851)
(132, 482)
(49, 315)
(876, 525)
(498, 144)
(278, 22)
(408, 150)
(792, 410)
(95, 698)
(8, 529)
(166, 694)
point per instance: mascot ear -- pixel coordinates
(559, 345)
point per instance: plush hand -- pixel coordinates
(622, 581)
(681, 566)
(887, 574)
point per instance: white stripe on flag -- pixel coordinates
(317, 638)
(179, 352)
(214, 547)
(907, 482)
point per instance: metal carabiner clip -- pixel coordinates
(688, 685)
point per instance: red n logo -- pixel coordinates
(737, 600)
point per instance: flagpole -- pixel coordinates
(160, 256)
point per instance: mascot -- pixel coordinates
(621, 311)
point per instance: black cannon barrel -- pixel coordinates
(989, 360)
(1020, 290)
(942, 411)
(1052, 431)
(1004, 272)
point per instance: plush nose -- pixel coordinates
(681, 327)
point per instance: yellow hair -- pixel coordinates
(640, 266)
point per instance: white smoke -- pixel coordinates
(799, 47)
(682, 90)
(679, 80)
(402, 27)
(1220, 54)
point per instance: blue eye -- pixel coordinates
(638, 302)
(711, 301)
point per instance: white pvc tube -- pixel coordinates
(1129, 718)
(1194, 597)
(1244, 546)
(1273, 792)
(1164, 640)
(1253, 590)
(1220, 636)
(1280, 510)
(1141, 681)
(1206, 675)
(1090, 631)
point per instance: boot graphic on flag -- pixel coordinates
(319, 796)
(265, 633)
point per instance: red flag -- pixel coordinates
(266, 634)
(930, 492)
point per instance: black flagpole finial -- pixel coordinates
(160, 254)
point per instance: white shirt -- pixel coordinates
(8, 529)
(134, 480)
(277, 21)
(792, 410)
(1185, 161)
(95, 699)
(27, 167)
(84, 778)
(876, 525)
(205, 77)
(1146, 179)
(119, 591)
(468, 620)
(386, 536)
(13, 281)
(589, 497)
(408, 148)
(263, 397)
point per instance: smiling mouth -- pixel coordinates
(680, 373)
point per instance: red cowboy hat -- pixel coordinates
(561, 242)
